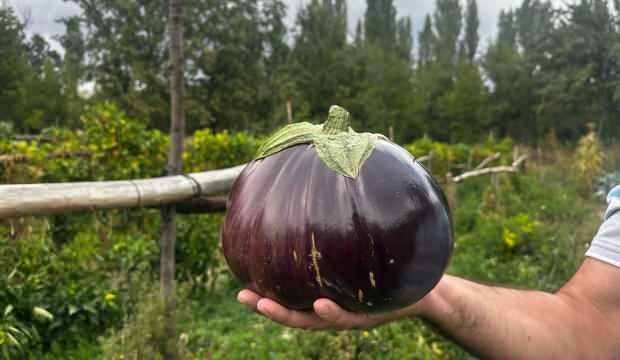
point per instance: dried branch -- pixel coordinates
(425, 157)
(488, 160)
(492, 170)
(39, 138)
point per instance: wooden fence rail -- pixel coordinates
(49, 199)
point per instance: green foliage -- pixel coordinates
(199, 259)
(121, 148)
(93, 276)
(515, 230)
(209, 151)
(589, 158)
(31, 95)
(219, 329)
(456, 158)
(15, 337)
(59, 293)
(83, 269)
(145, 333)
(548, 69)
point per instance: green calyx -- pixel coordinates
(337, 145)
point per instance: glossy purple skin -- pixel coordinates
(296, 231)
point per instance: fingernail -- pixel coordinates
(241, 297)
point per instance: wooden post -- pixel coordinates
(451, 191)
(289, 111)
(175, 167)
(391, 133)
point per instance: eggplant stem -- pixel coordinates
(337, 121)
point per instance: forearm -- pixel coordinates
(504, 323)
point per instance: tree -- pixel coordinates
(73, 71)
(126, 50)
(472, 23)
(380, 24)
(278, 85)
(320, 64)
(513, 100)
(359, 34)
(448, 20)
(226, 44)
(462, 110)
(425, 42)
(31, 94)
(583, 67)
(13, 69)
(404, 39)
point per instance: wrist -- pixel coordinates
(427, 305)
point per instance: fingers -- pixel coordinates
(248, 298)
(339, 318)
(327, 314)
(291, 318)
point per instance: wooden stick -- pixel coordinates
(49, 199)
(425, 158)
(39, 138)
(486, 161)
(289, 112)
(492, 170)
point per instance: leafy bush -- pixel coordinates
(209, 151)
(15, 337)
(146, 333)
(89, 271)
(589, 158)
(84, 268)
(456, 158)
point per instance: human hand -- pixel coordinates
(326, 315)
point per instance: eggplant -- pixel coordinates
(325, 212)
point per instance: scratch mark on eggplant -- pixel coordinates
(295, 256)
(360, 295)
(372, 246)
(316, 255)
(332, 285)
(371, 275)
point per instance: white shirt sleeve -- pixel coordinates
(606, 244)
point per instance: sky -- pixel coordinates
(44, 13)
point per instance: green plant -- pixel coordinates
(456, 158)
(15, 337)
(144, 333)
(589, 158)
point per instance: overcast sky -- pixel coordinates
(44, 13)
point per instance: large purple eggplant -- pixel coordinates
(327, 212)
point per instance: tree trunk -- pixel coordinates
(175, 167)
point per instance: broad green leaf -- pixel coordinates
(345, 153)
(13, 340)
(73, 309)
(42, 314)
(290, 135)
